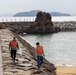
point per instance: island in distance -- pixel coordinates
(34, 12)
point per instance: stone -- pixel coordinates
(19, 73)
(37, 72)
(42, 24)
(22, 60)
(24, 65)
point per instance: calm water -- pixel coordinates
(59, 48)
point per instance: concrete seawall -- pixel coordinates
(25, 61)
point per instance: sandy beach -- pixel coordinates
(66, 70)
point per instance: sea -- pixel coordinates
(59, 48)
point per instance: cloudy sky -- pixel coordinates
(15, 6)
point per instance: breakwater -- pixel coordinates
(28, 27)
(25, 61)
(22, 27)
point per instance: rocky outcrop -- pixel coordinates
(42, 24)
(17, 27)
(25, 60)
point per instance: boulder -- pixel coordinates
(42, 24)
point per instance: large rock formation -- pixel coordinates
(42, 24)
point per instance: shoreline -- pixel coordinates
(65, 65)
(65, 70)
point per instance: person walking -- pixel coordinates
(39, 54)
(13, 47)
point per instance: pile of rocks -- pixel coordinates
(17, 27)
(25, 61)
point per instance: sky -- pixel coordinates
(14, 6)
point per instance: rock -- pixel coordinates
(24, 68)
(37, 72)
(19, 73)
(24, 65)
(20, 60)
(42, 24)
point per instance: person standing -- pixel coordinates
(13, 47)
(39, 54)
